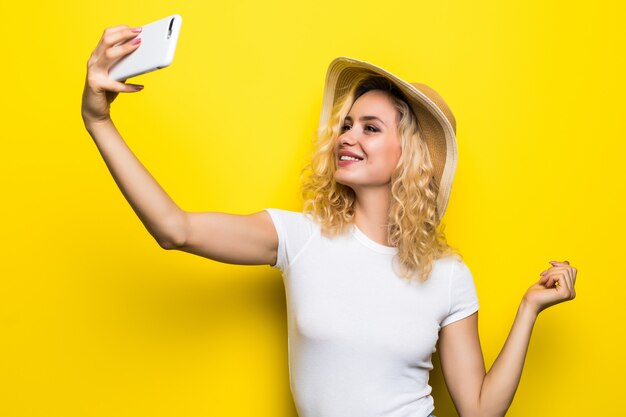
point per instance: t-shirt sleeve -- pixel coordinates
(294, 230)
(463, 299)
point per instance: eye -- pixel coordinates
(371, 128)
(345, 127)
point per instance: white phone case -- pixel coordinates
(158, 45)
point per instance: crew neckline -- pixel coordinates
(362, 237)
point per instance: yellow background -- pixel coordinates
(97, 320)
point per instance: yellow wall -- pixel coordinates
(97, 320)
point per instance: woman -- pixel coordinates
(371, 284)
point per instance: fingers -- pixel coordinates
(120, 87)
(113, 36)
(113, 45)
(557, 265)
(561, 280)
(549, 279)
(554, 268)
(548, 273)
(113, 53)
(568, 286)
(571, 281)
(108, 32)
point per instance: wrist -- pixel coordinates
(528, 309)
(94, 124)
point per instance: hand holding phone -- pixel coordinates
(156, 49)
(114, 50)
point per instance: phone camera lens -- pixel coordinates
(169, 30)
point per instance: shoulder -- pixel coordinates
(295, 230)
(446, 267)
(288, 219)
(452, 272)
(453, 264)
(462, 294)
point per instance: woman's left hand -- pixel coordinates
(555, 286)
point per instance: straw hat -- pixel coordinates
(434, 116)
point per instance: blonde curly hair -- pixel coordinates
(412, 224)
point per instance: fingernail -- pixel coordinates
(136, 41)
(136, 30)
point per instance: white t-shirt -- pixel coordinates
(361, 337)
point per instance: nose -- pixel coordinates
(347, 138)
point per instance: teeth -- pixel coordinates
(348, 158)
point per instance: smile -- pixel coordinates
(344, 161)
(349, 158)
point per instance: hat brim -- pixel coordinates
(341, 73)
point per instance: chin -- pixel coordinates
(341, 181)
(347, 184)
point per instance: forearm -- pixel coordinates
(160, 215)
(502, 380)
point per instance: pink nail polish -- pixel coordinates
(136, 41)
(136, 30)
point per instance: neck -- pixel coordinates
(372, 211)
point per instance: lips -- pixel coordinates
(348, 158)
(347, 155)
(346, 163)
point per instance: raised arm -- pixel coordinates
(477, 393)
(241, 239)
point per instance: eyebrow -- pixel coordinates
(367, 118)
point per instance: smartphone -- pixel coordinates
(156, 51)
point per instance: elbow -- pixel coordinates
(168, 244)
(484, 412)
(472, 413)
(481, 410)
(476, 414)
(176, 238)
(171, 242)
